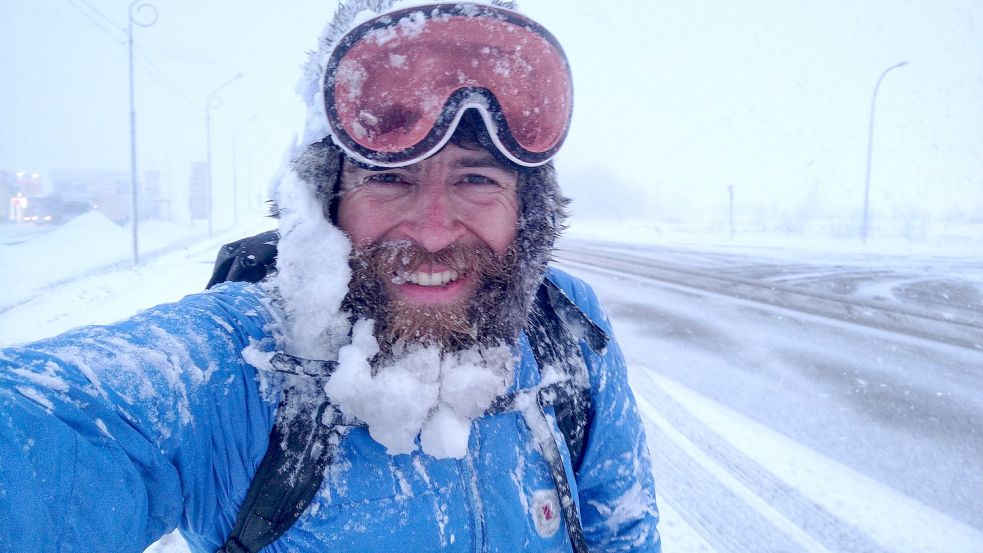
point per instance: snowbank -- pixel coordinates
(84, 245)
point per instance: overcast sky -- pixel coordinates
(675, 100)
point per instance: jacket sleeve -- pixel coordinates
(615, 484)
(111, 436)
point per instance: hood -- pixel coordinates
(305, 201)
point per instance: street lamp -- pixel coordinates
(870, 146)
(213, 101)
(235, 169)
(135, 7)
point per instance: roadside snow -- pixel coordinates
(82, 246)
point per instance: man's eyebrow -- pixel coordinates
(476, 161)
(480, 161)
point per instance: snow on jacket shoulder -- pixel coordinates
(111, 436)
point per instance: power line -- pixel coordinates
(102, 15)
(97, 23)
(107, 26)
(169, 87)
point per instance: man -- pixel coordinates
(414, 377)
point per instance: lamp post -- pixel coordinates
(213, 101)
(135, 7)
(730, 209)
(235, 169)
(870, 146)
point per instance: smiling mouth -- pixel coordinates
(421, 278)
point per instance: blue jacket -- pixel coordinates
(111, 436)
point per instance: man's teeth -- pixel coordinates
(430, 279)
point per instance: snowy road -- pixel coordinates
(804, 419)
(789, 424)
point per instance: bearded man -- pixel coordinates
(403, 370)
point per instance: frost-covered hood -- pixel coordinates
(305, 200)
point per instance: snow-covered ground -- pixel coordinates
(82, 273)
(38, 257)
(771, 429)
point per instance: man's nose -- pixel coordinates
(435, 221)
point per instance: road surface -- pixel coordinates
(826, 405)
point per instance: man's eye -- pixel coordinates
(479, 179)
(385, 178)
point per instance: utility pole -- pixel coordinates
(870, 147)
(730, 209)
(135, 7)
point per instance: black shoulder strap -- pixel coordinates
(555, 323)
(286, 481)
(302, 444)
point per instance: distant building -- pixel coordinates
(15, 187)
(9, 190)
(109, 191)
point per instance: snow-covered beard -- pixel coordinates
(491, 316)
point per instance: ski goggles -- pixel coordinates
(397, 85)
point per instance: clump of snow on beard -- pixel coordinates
(312, 273)
(423, 393)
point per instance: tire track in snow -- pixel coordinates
(744, 507)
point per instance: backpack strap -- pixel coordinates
(555, 324)
(246, 260)
(303, 441)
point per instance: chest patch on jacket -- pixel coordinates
(546, 512)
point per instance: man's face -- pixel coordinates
(430, 236)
